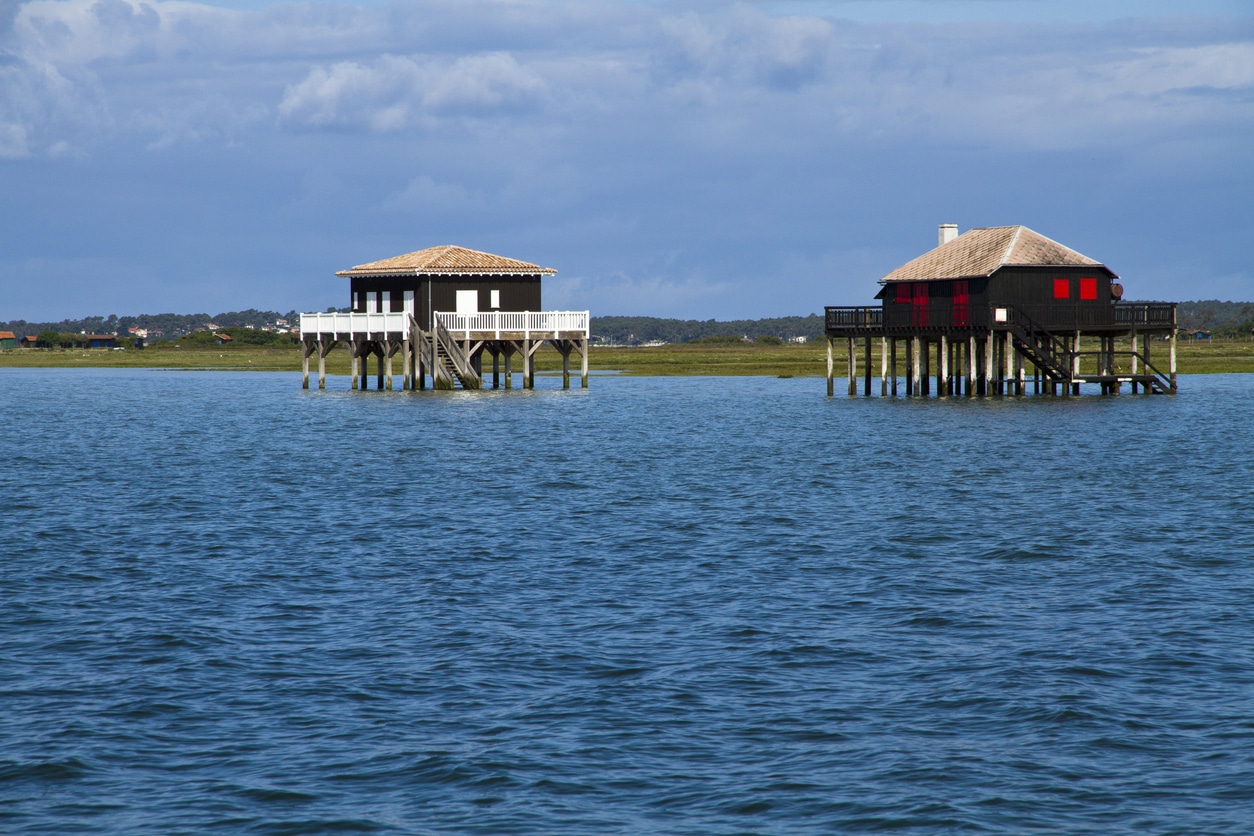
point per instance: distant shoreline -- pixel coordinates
(683, 359)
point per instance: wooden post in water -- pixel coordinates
(831, 384)
(1135, 359)
(583, 366)
(1172, 366)
(1074, 389)
(852, 368)
(971, 366)
(912, 367)
(942, 371)
(989, 342)
(866, 358)
(1008, 349)
(925, 373)
(892, 362)
(883, 367)
(509, 371)
(307, 348)
(1021, 377)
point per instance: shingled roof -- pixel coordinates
(447, 260)
(981, 252)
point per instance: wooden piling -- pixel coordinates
(831, 383)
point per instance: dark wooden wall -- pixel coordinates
(518, 292)
(1031, 289)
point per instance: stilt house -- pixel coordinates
(442, 308)
(991, 302)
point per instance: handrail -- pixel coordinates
(524, 322)
(313, 324)
(853, 317)
(454, 353)
(1053, 348)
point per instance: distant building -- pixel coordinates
(8, 339)
(29, 341)
(100, 340)
(223, 339)
(991, 301)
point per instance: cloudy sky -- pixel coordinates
(693, 159)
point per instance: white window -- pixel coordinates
(385, 301)
(496, 300)
(372, 301)
(467, 302)
(409, 302)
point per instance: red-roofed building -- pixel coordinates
(8, 339)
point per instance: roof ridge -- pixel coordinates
(1005, 257)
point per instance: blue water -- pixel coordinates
(657, 606)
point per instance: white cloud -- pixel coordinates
(394, 93)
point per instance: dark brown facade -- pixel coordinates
(518, 292)
(1057, 298)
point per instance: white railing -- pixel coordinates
(526, 323)
(313, 324)
(518, 322)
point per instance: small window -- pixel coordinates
(1088, 289)
(495, 304)
(1062, 288)
(903, 293)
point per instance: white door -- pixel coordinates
(409, 302)
(467, 302)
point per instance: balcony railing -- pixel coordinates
(363, 324)
(940, 313)
(526, 323)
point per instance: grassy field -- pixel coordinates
(775, 361)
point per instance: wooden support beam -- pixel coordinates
(353, 362)
(892, 361)
(1008, 357)
(971, 352)
(912, 366)
(852, 368)
(1135, 359)
(989, 342)
(307, 348)
(925, 373)
(866, 359)
(883, 367)
(528, 365)
(583, 367)
(831, 386)
(942, 367)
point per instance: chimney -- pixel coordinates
(946, 233)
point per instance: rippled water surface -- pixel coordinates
(660, 605)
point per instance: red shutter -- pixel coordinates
(962, 304)
(920, 303)
(1062, 288)
(1088, 289)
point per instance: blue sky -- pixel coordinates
(688, 159)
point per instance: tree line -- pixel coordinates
(169, 325)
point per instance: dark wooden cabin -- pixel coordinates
(964, 281)
(446, 279)
(993, 300)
